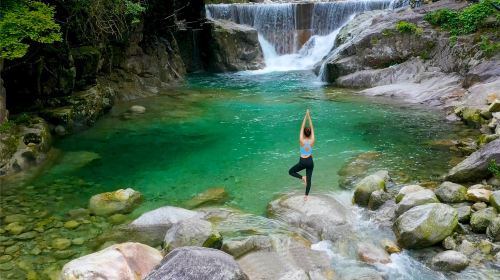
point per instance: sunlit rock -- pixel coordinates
(369, 184)
(120, 201)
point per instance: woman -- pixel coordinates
(306, 139)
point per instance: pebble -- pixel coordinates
(26, 235)
(117, 219)
(15, 228)
(71, 224)
(61, 243)
(15, 218)
(6, 266)
(5, 258)
(12, 249)
(31, 275)
(64, 254)
(478, 206)
(78, 241)
(79, 213)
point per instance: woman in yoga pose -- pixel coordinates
(306, 140)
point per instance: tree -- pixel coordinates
(23, 22)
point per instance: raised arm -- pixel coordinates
(301, 134)
(313, 139)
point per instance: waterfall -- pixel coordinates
(295, 36)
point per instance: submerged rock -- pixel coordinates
(370, 253)
(356, 169)
(425, 225)
(197, 263)
(192, 232)
(209, 197)
(475, 167)
(450, 261)
(481, 219)
(137, 109)
(451, 192)
(414, 199)
(321, 215)
(127, 261)
(369, 184)
(120, 201)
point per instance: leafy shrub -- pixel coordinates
(489, 47)
(466, 21)
(494, 168)
(408, 28)
(24, 21)
(6, 127)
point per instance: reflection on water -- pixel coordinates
(237, 131)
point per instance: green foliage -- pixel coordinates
(408, 28)
(7, 126)
(94, 21)
(490, 48)
(494, 168)
(463, 22)
(22, 22)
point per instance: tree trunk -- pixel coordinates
(3, 97)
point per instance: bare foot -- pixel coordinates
(304, 180)
(305, 197)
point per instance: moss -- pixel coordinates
(388, 32)
(406, 27)
(213, 241)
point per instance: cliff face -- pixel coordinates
(423, 66)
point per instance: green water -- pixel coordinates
(236, 131)
(240, 132)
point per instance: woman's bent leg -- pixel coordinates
(295, 169)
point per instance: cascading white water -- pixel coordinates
(284, 27)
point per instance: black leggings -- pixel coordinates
(308, 165)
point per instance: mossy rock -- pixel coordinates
(369, 184)
(480, 220)
(214, 241)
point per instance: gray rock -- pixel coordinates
(406, 190)
(377, 199)
(479, 206)
(322, 215)
(197, 263)
(233, 47)
(152, 226)
(369, 184)
(355, 272)
(464, 213)
(451, 192)
(475, 167)
(494, 106)
(237, 248)
(425, 225)
(450, 261)
(121, 201)
(495, 200)
(467, 248)
(414, 199)
(192, 232)
(371, 254)
(493, 230)
(449, 243)
(481, 219)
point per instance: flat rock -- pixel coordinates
(451, 192)
(211, 196)
(321, 215)
(406, 190)
(478, 195)
(192, 232)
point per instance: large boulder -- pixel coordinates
(192, 232)
(121, 201)
(369, 184)
(481, 219)
(406, 190)
(197, 263)
(414, 199)
(475, 167)
(478, 195)
(127, 261)
(153, 225)
(233, 47)
(493, 230)
(450, 261)
(451, 192)
(425, 225)
(321, 215)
